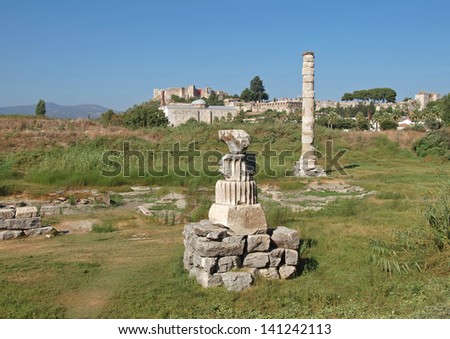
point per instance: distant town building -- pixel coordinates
(198, 110)
(189, 92)
(423, 98)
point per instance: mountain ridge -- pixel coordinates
(58, 111)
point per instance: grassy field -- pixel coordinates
(132, 266)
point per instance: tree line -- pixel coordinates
(374, 94)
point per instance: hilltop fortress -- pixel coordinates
(199, 110)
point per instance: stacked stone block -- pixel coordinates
(216, 256)
(306, 166)
(18, 222)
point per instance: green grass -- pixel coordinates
(136, 271)
(104, 228)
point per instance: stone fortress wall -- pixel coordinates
(198, 110)
(188, 92)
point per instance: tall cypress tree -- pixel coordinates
(40, 108)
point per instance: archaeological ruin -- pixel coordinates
(235, 246)
(307, 166)
(16, 222)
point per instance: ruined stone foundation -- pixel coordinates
(18, 222)
(214, 257)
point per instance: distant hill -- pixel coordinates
(58, 111)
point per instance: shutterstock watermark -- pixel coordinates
(190, 161)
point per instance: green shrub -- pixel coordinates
(116, 199)
(388, 124)
(433, 124)
(103, 228)
(435, 143)
(72, 200)
(436, 214)
(411, 249)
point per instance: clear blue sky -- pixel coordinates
(113, 53)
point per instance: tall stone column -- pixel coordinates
(306, 166)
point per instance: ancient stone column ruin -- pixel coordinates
(236, 206)
(235, 246)
(306, 166)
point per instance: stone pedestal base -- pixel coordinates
(303, 169)
(241, 219)
(215, 257)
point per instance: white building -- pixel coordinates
(199, 110)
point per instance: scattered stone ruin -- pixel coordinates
(235, 246)
(16, 222)
(306, 166)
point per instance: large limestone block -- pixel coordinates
(276, 257)
(287, 272)
(308, 78)
(35, 232)
(256, 260)
(307, 71)
(8, 235)
(258, 243)
(210, 231)
(204, 278)
(50, 210)
(308, 86)
(188, 257)
(225, 264)
(208, 264)
(6, 213)
(291, 257)
(227, 247)
(307, 139)
(308, 93)
(23, 224)
(309, 64)
(26, 212)
(308, 57)
(189, 235)
(284, 237)
(241, 219)
(269, 273)
(237, 281)
(237, 140)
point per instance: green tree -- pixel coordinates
(108, 116)
(348, 97)
(213, 100)
(246, 95)
(256, 92)
(374, 94)
(388, 124)
(332, 119)
(361, 122)
(144, 115)
(40, 108)
(377, 118)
